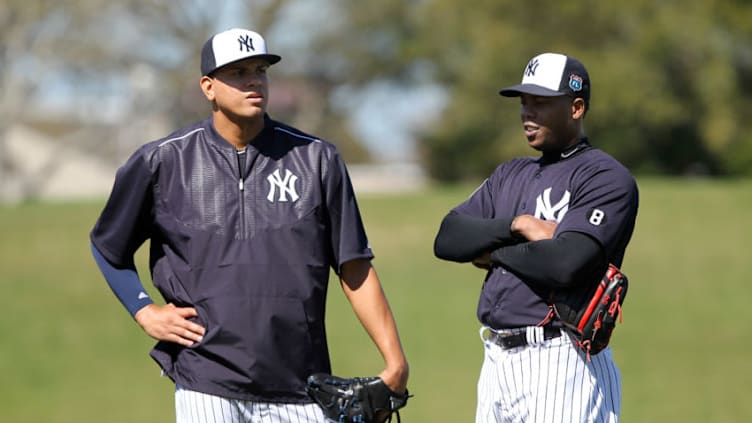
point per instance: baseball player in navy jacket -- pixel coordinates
(245, 217)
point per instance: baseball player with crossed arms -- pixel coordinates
(245, 217)
(539, 224)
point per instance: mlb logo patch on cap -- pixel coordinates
(231, 46)
(575, 82)
(552, 75)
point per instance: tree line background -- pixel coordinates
(671, 79)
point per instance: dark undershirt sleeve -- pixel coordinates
(565, 261)
(463, 238)
(124, 282)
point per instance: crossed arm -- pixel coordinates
(524, 245)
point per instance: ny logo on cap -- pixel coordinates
(531, 67)
(247, 42)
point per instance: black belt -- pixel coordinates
(518, 337)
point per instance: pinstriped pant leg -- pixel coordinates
(488, 389)
(605, 389)
(552, 382)
(288, 413)
(578, 390)
(496, 385)
(197, 407)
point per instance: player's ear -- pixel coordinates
(207, 86)
(578, 108)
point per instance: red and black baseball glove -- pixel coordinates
(589, 315)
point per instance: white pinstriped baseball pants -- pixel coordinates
(550, 381)
(197, 407)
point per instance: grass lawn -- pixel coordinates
(71, 353)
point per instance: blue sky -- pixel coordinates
(385, 117)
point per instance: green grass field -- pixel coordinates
(70, 353)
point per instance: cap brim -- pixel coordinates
(532, 89)
(271, 58)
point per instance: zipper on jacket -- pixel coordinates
(242, 157)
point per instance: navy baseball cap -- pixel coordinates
(553, 75)
(232, 46)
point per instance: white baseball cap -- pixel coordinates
(552, 75)
(231, 46)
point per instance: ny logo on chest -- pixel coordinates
(283, 186)
(545, 209)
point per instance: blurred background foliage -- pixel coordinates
(671, 79)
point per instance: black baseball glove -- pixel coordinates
(355, 400)
(590, 314)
